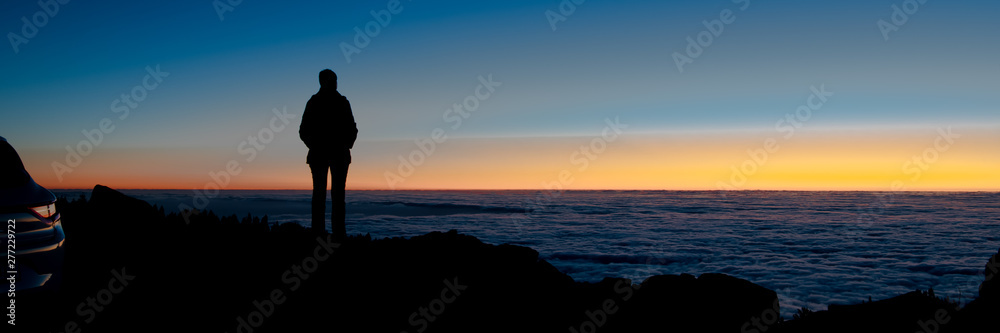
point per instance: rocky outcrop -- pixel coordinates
(906, 313)
(912, 312)
(224, 274)
(981, 314)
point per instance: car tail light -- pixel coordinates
(45, 211)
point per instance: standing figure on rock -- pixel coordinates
(329, 130)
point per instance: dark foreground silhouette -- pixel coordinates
(130, 267)
(329, 131)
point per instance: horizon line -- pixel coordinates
(544, 189)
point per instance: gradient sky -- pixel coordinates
(607, 60)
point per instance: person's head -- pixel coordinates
(328, 79)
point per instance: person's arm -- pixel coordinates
(350, 127)
(307, 130)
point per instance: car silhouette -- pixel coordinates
(34, 235)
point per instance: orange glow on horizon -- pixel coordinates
(859, 160)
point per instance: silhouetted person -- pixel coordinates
(329, 130)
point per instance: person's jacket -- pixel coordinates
(328, 128)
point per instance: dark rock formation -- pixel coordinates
(981, 314)
(131, 268)
(912, 312)
(906, 313)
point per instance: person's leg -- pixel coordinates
(319, 197)
(337, 191)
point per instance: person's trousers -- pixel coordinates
(338, 216)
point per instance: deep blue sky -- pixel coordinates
(608, 58)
